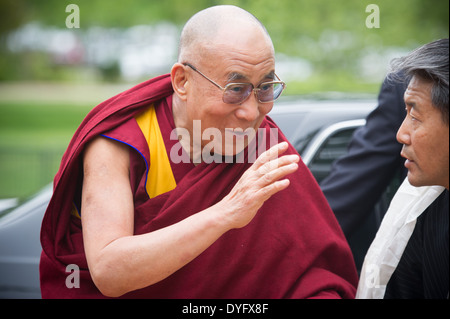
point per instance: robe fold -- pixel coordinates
(293, 248)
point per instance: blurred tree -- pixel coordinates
(289, 16)
(403, 22)
(330, 34)
(11, 15)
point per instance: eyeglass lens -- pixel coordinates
(266, 92)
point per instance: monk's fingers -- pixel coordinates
(278, 162)
(271, 154)
(268, 168)
(276, 170)
(266, 192)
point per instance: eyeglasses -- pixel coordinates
(237, 93)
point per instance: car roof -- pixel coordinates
(299, 118)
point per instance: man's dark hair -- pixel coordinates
(430, 63)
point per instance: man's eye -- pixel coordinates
(413, 118)
(237, 88)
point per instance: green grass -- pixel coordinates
(333, 82)
(33, 138)
(39, 124)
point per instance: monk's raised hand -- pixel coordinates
(261, 181)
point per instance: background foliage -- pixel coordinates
(329, 34)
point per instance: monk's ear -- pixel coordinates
(180, 80)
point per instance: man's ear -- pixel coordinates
(180, 80)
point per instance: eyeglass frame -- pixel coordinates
(254, 89)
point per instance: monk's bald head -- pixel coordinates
(208, 28)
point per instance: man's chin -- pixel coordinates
(416, 181)
(233, 150)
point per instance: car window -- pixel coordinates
(333, 147)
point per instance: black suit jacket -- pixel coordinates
(358, 179)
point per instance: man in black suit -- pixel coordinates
(358, 179)
(409, 257)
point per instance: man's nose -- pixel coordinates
(249, 109)
(403, 136)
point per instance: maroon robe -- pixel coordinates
(293, 248)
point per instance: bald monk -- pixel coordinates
(183, 187)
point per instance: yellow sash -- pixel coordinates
(160, 177)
